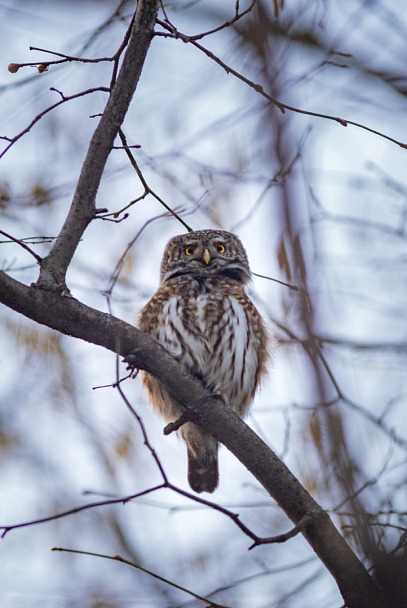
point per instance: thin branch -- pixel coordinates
(282, 538)
(115, 214)
(69, 57)
(257, 540)
(74, 510)
(262, 276)
(142, 428)
(22, 244)
(259, 88)
(147, 189)
(118, 558)
(42, 66)
(377, 420)
(219, 28)
(64, 99)
(120, 50)
(114, 277)
(95, 34)
(358, 345)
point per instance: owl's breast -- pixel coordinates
(214, 332)
(228, 345)
(180, 330)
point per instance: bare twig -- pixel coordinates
(282, 538)
(172, 427)
(142, 428)
(22, 244)
(64, 99)
(74, 510)
(262, 276)
(42, 66)
(219, 28)
(147, 189)
(259, 88)
(118, 558)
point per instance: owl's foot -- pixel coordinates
(131, 361)
(177, 424)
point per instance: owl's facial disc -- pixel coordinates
(206, 253)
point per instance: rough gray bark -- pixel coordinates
(46, 304)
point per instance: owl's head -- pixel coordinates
(205, 253)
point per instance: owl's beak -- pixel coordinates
(206, 256)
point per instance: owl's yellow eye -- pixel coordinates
(189, 250)
(220, 248)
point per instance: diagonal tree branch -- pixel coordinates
(83, 210)
(71, 317)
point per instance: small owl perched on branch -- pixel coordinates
(202, 315)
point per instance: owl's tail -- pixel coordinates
(203, 472)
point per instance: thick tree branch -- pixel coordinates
(71, 317)
(82, 211)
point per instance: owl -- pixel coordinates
(202, 315)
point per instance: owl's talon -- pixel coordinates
(131, 364)
(133, 371)
(177, 424)
(131, 360)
